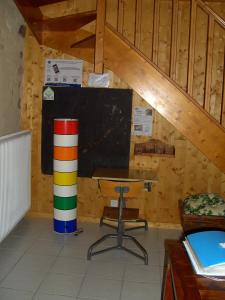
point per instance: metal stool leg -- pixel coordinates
(119, 236)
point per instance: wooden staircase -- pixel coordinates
(160, 90)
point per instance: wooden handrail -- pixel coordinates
(209, 11)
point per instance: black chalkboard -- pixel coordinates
(104, 126)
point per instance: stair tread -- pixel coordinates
(66, 23)
(37, 3)
(88, 42)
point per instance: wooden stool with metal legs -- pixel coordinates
(123, 189)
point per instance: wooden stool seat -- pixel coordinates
(112, 213)
(129, 216)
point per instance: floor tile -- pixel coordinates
(145, 274)
(10, 255)
(118, 256)
(51, 235)
(106, 270)
(154, 257)
(99, 288)
(8, 294)
(74, 251)
(132, 259)
(8, 259)
(83, 239)
(65, 265)
(34, 260)
(51, 297)
(17, 242)
(169, 234)
(45, 247)
(35, 263)
(141, 291)
(86, 298)
(62, 285)
(142, 235)
(28, 231)
(22, 280)
(161, 257)
(115, 256)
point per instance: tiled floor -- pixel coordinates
(36, 263)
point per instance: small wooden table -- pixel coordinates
(181, 282)
(125, 174)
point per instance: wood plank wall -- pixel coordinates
(189, 172)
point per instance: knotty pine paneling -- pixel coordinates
(189, 172)
(217, 71)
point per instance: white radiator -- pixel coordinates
(15, 177)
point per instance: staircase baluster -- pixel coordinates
(137, 32)
(155, 44)
(120, 16)
(209, 62)
(192, 35)
(222, 116)
(173, 52)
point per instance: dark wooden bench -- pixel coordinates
(193, 222)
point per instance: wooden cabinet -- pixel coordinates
(181, 283)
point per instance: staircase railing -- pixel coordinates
(210, 93)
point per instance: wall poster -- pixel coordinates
(142, 121)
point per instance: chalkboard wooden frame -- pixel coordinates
(105, 123)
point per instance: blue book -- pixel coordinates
(206, 250)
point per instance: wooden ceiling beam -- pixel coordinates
(62, 41)
(37, 3)
(28, 11)
(31, 14)
(66, 23)
(38, 24)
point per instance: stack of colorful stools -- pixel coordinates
(65, 175)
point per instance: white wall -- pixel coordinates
(11, 56)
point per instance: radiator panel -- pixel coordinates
(15, 186)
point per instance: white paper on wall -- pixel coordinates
(63, 72)
(98, 80)
(142, 121)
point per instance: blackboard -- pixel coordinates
(104, 126)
